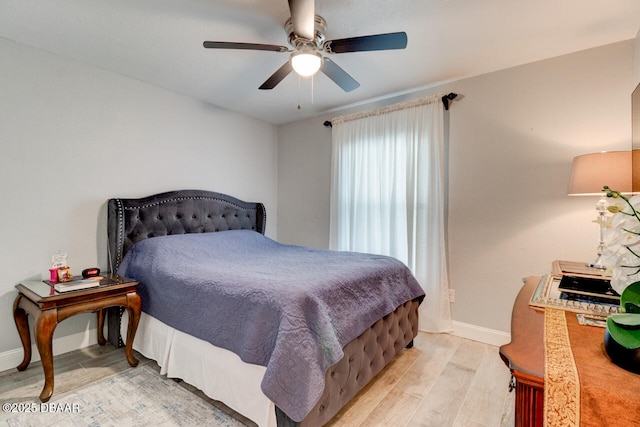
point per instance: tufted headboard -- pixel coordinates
(176, 212)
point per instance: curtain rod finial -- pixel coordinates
(449, 97)
(327, 124)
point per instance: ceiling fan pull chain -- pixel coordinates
(299, 107)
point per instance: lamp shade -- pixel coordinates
(591, 172)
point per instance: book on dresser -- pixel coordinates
(76, 285)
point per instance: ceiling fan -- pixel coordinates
(306, 36)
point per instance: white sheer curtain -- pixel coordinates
(388, 195)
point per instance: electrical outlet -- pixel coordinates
(452, 295)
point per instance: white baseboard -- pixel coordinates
(481, 334)
(12, 358)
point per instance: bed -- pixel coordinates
(292, 358)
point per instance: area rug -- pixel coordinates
(137, 397)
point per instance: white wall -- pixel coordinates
(513, 138)
(636, 57)
(513, 135)
(304, 176)
(73, 136)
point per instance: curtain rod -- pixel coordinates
(445, 101)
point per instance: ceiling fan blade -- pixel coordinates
(338, 75)
(246, 46)
(387, 41)
(277, 77)
(303, 14)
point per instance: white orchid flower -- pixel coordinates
(622, 240)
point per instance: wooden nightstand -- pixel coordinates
(49, 308)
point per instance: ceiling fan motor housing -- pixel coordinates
(320, 27)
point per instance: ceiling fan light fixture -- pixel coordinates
(306, 63)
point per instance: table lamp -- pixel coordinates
(591, 172)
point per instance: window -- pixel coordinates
(387, 194)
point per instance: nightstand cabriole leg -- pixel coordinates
(134, 305)
(22, 323)
(46, 323)
(101, 316)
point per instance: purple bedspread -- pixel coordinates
(289, 308)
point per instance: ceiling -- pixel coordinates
(160, 42)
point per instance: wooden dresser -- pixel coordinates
(607, 395)
(524, 356)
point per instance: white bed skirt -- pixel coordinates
(218, 372)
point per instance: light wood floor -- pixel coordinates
(442, 381)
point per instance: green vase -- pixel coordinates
(626, 358)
